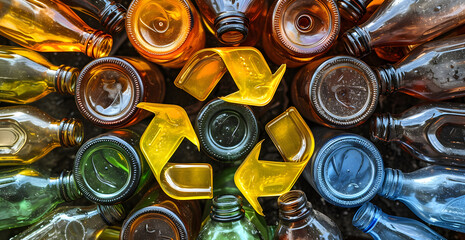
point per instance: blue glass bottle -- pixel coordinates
(381, 226)
(436, 194)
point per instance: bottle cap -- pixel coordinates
(153, 222)
(107, 169)
(108, 91)
(227, 131)
(347, 171)
(343, 91)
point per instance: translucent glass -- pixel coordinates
(433, 132)
(380, 226)
(297, 31)
(166, 32)
(26, 76)
(28, 134)
(404, 22)
(435, 193)
(26, 195)
(50, 26)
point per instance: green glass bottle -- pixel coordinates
(227, 221)
(74, 222)
(26, 195)
(110, 168)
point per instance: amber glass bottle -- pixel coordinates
(404, 22)
(158, 216)
(27, 76)
(28, 134)
(111, 14)
(166, 32)
(353, 10)
(234, 22)
(109, 89)
(50, 26)
(297, 30)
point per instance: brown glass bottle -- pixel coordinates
(158, 216)
(166, 32)
(433, 132)
(297, 31)
(404, 22)
(109, 89)
(338, 92)
(353, 10)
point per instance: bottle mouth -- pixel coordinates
(392, 184)
(356, 42)
(293, 206)
(112, 17)
(351, 10)
(71, 132)
(366, 217)
(98, 44)
(231, 27)
(65, 79)
(387, 78)
(379, 127)
(227, 208)
(68, 187)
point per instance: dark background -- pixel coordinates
(60, 106)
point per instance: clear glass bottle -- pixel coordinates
(298, 220)
(433, 71)
(50, 26)
(404, 22)
(28, 134)
(435, 193)
(74, 222)
(110, 167)
(353, 10)
(338, 92)
(227, 131)
(433, 132)
(109, 89)
(165, 32)
(110, 13)
(297, 31)
(26, 76)
(227, 221)
(370, 219)
(26, 195)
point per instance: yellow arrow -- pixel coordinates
(159, 142)
(294, 140)
(249, 70)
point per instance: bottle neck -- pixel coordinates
(366, 217)
(66, 186)
(112, 17)
(227, 208)
(97, 44)
(353, 10)
(111, 214)
(293, 206)
(357, 41)
(389, 79)
(392, 185)
(65, 79)
(384, 127)
(70, 132)
(231, 27)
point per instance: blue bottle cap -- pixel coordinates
(347, 170)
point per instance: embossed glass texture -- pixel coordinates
(27, 76)
(26, 195)
(338, 92)
(435, 193)
(381, 226)
(28, 134)
(298, 220)
(50, 26)
(297, 31)
(433, 132)
(165, 32)
(404, 22)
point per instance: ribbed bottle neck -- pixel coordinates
(293, 206)
(366, 217)
(112, 17)
(392, 185)
(111, 214)
(70, 132)
(352, 10)
(97, 44)
(67, 186)
(65, 79)
(383, 127)
(227, 208)
(231, 27)
(357, 42)
(389, 79)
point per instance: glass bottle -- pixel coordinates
(74, 222)
(338, 92)
(345, 169)
(370, 219)
(435, 193)
(110, 167)
(28, 134)
(227, 131)
(109, 233)
(50, 26)
(109, 89)
(111, 14)
(433, 71)
(158, 216)
(353, 10)
(298, 220)
(227, 221)
(433, 132)
(234, 22)
(297, 31)
(27, 76)
(404, 22)
(165, 32)
(26, 195)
